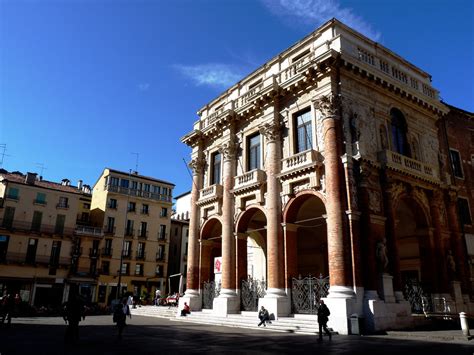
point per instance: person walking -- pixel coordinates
(263, 316)
(157, 297)
(323, 318)
(73, 313)
(121, 311)
(8, 304)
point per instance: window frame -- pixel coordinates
(308, 138)
(461, 219)
(216, 167)
(451, 151)
(250, 148)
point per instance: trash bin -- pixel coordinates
(357, 324)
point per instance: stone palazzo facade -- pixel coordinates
(325, 164)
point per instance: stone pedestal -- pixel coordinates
(228, 302)
(341, 302)
(277, 302)
(192, 298)
(457, 295)
(387, 288)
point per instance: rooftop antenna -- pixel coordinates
(136, 161)
(42, 168)
(3, 147)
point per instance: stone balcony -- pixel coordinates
(249, 180)
(300, 162)
(293, 72)
(409, 166)
(211, 193)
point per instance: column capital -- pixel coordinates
(229, 149)
(197, 165)
(271, 131)
(328, 105)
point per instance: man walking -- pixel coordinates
(323, 317)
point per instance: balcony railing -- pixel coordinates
(300, 160)
(127, 254)
(12, 197)
(63, 206)
(34, 227)
(76, 252)
(140, 255)
(291, 71)
(160, 256)
(212, 192)
(142, 234)
(162, 236)
(106, 251)
(38, 260)
(109, 230)
(129, 232)
(408, 165)
(39, 202)
(93, 253)
(85, 272)
(253, 177)
(138, 193)
(86, 230)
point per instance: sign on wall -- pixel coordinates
(218, 265)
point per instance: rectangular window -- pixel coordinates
(464, 211)
(216, 168)
(146, 187)
(134, 185)
(129, 229)
(131, 206)
(156, 189)
(253, 152)
(125, 268)
(162, 234)
(55, 252)
(145, 209)
(457, 163)
(164, 212)
(114, 181)
(159, 270)
(63, 202)
(110, 225)
(127, 246)
(160, 254)
(304, 129)
(31, 251)
(113, 203)
(124, 183)
(8, 217)
(36, 222)
(13, 193)
(143, 230)
(40, 198)
(4, 239)
(60, 221)
(139, 269)
(141, 249)
(105, 267)
(107, 251)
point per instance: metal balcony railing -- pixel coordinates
(12, 224)
(87, 230)
(93, 253)
(140, 255)
(107, 252)
(142, 234)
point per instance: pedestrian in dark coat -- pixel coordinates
(323, 318)
(121, 311)
(73, 313)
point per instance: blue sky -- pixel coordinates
(86, 83)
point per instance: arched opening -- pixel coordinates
(307, 268)
(251, 257)
(399, 132)
(211, 248)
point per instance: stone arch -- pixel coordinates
(210, 248)
(251, 244)
(306, 236)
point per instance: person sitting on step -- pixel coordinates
(263, 316)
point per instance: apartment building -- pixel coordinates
(37, 223)
(319, 176)
(134, 213)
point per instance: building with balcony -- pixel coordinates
(177, 260)
(37, 227)
(133, 213)
(319, 176)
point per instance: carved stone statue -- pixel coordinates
(381, 255)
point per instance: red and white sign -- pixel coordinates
(218, 265)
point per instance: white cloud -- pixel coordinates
(216, 75)
(143, 86)
(317, 12)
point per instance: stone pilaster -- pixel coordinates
(241, 257)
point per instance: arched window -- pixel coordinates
(399, 132)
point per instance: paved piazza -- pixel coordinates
(147, 335)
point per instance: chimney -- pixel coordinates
(30, 178)
(79, 185)
(65, 182)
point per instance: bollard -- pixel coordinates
(464, 324)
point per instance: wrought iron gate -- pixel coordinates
(209, 291)
(306, 293)
(420, 301)
(250, 292)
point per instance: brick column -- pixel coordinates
(192, 296)
(241, 257)
(291, 255)
(227, 302)
(340, 283)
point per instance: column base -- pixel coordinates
(228, 302)
(277, 302)
(399, 297)
(341, 292)
(192, 298)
